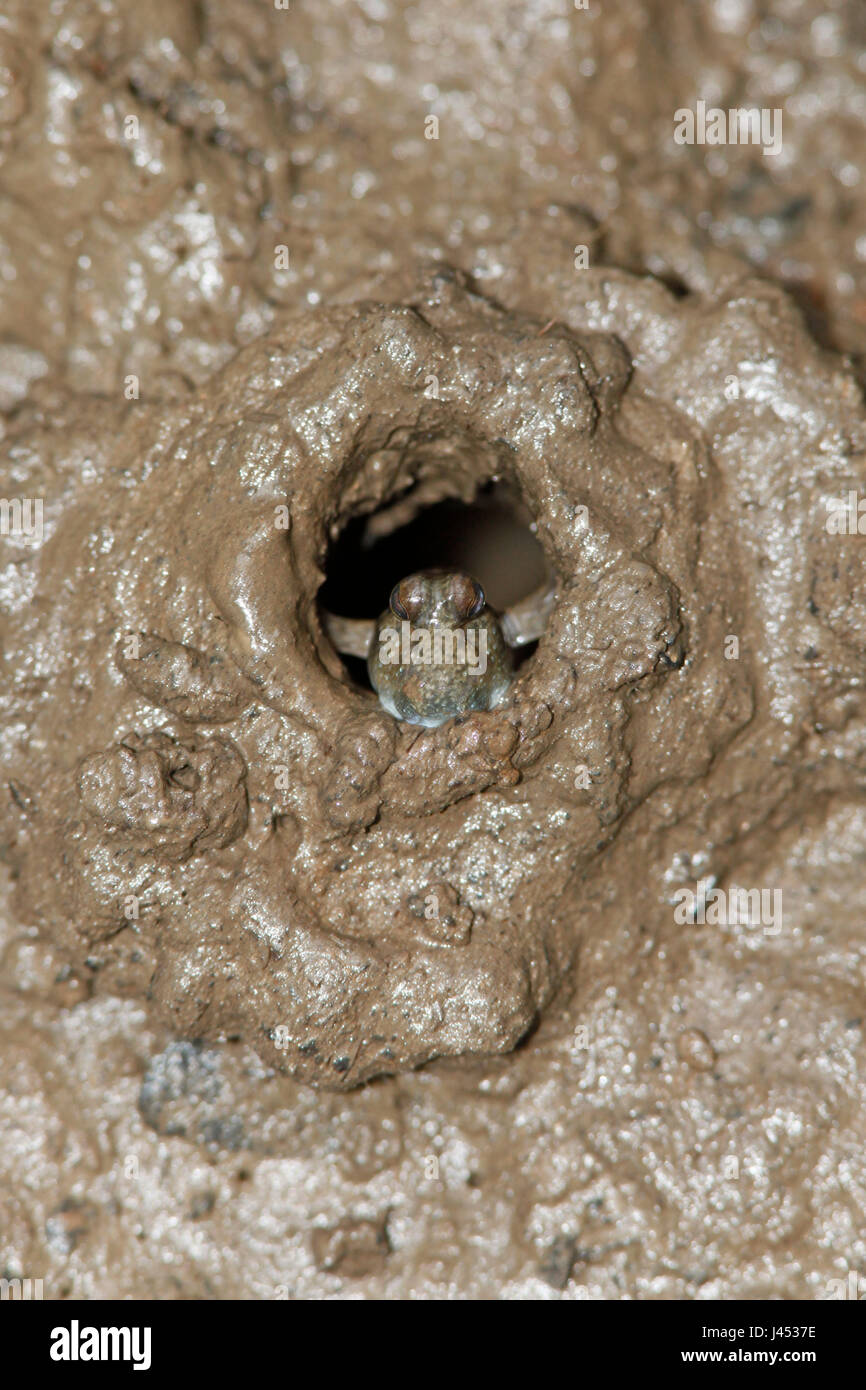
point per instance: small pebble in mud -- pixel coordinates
(444, 918)
(354, 1249)
(202, 1205)
(695, 1049)
(558, 1261)
(68, 1224)
(181, 1089)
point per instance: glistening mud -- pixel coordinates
(292, 302)
(279, 837)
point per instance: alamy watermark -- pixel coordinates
(736, 907)
(21, 1290)
(77, 1343)
(434, 646)
(852, 1289)
(22, 518)
(846, 516)
(742, 125)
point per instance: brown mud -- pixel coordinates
(298, 1000)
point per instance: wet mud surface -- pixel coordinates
(299, 1000)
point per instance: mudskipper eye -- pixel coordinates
(467, 596)
(478, 600)
(396, 604)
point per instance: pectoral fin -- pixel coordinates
(351, 636)
(525, 621)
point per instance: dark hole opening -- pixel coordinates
(492, 538)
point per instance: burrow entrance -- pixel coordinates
(492, 538)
